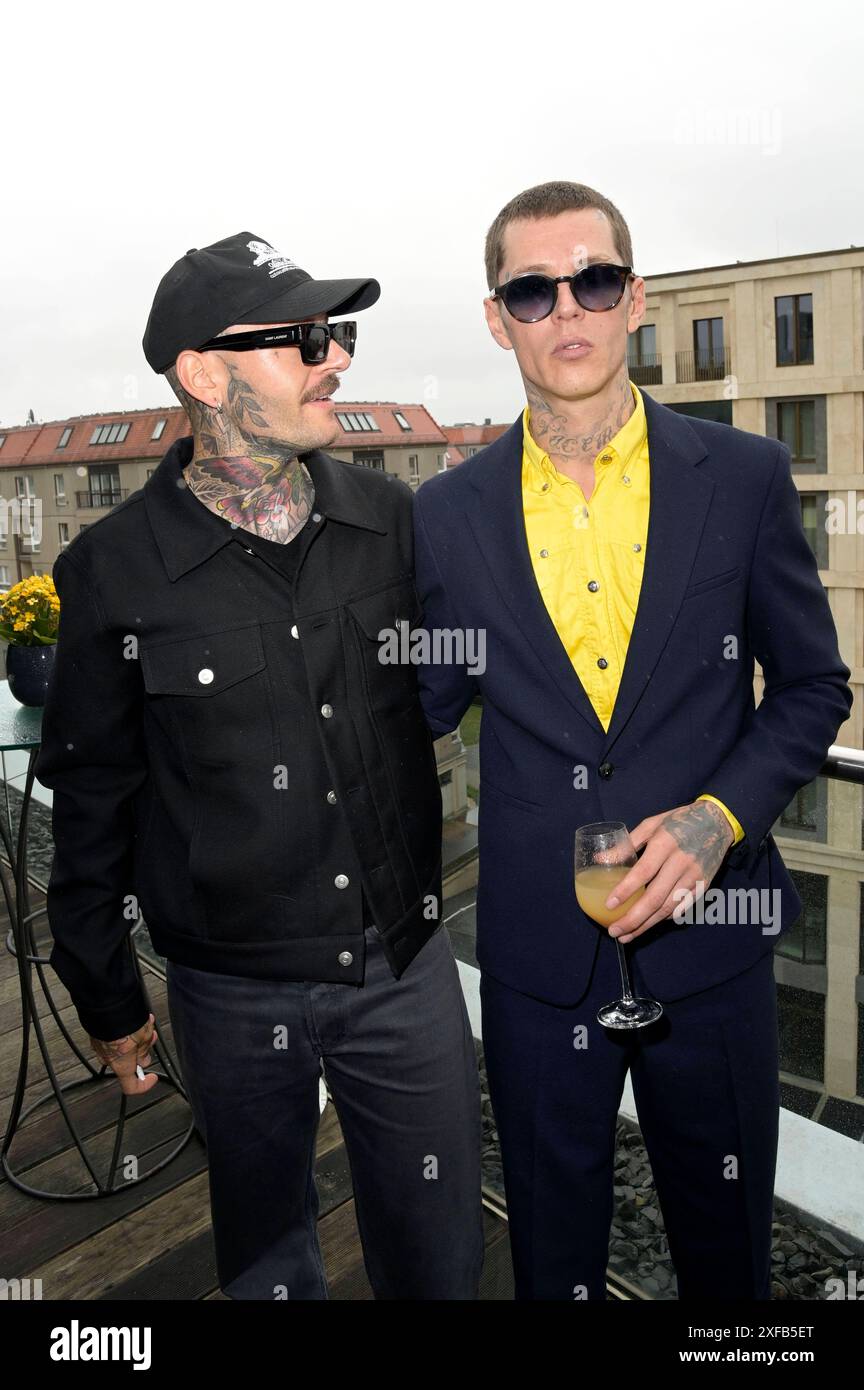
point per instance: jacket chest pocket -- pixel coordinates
(716, 609)
(215, 686)
(202, 666)
(382, 625)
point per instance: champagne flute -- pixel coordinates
(603, 855)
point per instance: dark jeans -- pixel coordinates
(399, 1059)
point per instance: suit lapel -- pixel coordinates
(679, 500)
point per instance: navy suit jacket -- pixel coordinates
(726, 555)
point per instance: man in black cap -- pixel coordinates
(231, 757)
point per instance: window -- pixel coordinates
(65, 437)
(400, 420)
(4, 576)
(721, 411)
(801, 1028)
(795, 427)
(805, 940)
(104, 488)
(643, 363)
(2, 440)
(159, 429)
(59, 490)
(802, 811)
(414, 467)
(109, 434)
(63, 533)
(442, 463)
(793, 323)
(708, 348)
(24, 485)
(642, 344)
(813, 515)
(369, 459)
(357, 420)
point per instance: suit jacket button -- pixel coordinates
(345, 958)
(606, 770)
(341, 880)
(331, 797)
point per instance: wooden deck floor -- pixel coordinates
(152, 1240)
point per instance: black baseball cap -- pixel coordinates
(241, 279)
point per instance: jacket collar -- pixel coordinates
(680, 495)
(187, 532)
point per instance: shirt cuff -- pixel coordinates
(739, 832)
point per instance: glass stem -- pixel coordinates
(625, 975)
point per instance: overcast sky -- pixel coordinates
(382, 139)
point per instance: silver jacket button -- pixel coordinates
(205, 675)
(327, 711)
(294, 632)
(331, 797)
(341, 880)
(345, 958)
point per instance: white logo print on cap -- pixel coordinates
(264, 253)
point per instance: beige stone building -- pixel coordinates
(777, 347)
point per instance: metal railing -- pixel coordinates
(109, 498)
(705, 364)
(648, 371)
(845, 764)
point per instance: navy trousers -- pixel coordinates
(706, 1087)
(398, 1056)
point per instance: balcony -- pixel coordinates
(709, 364)
(647, 372)
(109, 498)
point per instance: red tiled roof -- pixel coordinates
(43, 439)
(390, 433)
(32, 445)
(475, 434)
(18, 443)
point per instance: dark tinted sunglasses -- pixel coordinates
(313, 339)
(532, 297)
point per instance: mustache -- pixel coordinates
(324, 388)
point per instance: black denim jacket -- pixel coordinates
(228, 755)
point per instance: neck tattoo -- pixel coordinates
(256, 481)
(268, 496)
(563, 441)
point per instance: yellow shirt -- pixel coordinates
(576, 544)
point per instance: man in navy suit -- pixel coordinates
(625, 564)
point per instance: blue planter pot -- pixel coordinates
(29, 671)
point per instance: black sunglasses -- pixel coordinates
(313, 339)
(532, 297)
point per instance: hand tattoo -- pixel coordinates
(703, 831)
